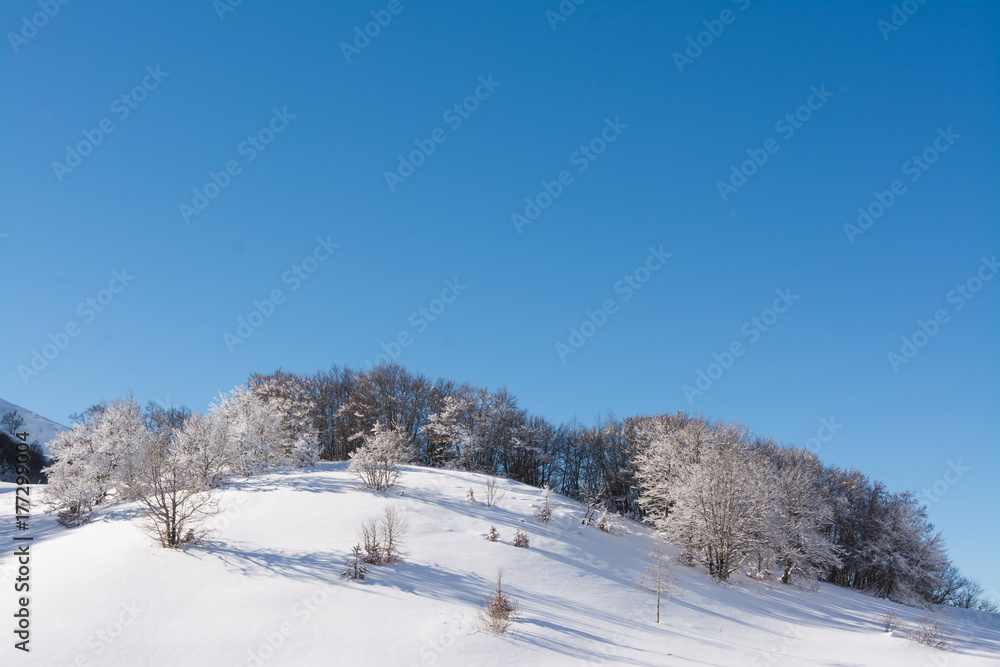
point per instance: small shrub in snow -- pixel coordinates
(544, 513)
(354, 567)
(611, 524)
(520, 538)
(372, 545)
(493, 494)
(470, 497)
(888, 621)
(382, 537)
(929, 632)
(498, 611)
(493, 535)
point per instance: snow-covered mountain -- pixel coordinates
(265, 589)
(41, 429)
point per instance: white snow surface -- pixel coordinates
(40, 429)
(265, 589)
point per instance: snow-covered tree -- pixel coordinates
(169, 485)
(378, 461)
(802, 516)
(294, 398)
(203, 440)
(706, 494)
(254, 433)
(87, 458)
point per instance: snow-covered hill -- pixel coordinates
(41, 429)
(266, 590)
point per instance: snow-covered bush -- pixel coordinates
(493, 535)
(498, 611)
(520, 538)
(613, 524)
(378, 461)
(544, 513)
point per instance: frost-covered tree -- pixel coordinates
(203, 440)
(378, 461)
(294, 398)
(713, 501)
(87, 458)
(169, 486)
(254, 431)
(801, 518)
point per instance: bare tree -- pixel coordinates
(657, 577)
(393, 533)
(11, 421)
(493, 494)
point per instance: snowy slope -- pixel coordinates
(103, 594)
(41, 429)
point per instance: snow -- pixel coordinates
(106, 594)
(41, 429)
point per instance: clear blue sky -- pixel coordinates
(608, 68)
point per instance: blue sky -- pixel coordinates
(323, 125)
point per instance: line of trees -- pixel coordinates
(733, 500)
